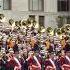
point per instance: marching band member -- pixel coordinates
(23, 59)
(13, 62)
(47, 44)
(33, 41)
(10, 43)
(63, 42)
(33, 62)
(3, 61)
(49, 63)
(64, 61)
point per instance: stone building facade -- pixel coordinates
(44, 11)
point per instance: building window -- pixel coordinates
(36, 5)
(68, 19)
(32, 17)
(41, 20)
(63, 5)
(6, 4)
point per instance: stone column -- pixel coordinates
(37, 18)
(1, 4)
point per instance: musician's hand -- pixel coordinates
(34, 66)
(28, 58)
(50, 67)
(65, 66)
